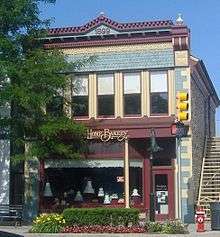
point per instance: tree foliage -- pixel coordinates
(30, 77)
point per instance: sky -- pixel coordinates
(201, 16)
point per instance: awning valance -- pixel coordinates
(94, 163)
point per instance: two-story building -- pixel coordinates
(127, 98)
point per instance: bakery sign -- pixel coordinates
(106, 135)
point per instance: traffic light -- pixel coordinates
(182, 106)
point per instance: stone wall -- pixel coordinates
(212, 121)
(184, 157)
(199, 126)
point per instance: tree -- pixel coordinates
(30, 79)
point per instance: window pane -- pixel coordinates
(135, 184)
(80, 95)
(131, 83)
(161, 189)
(105, 84)
(106, 105)
(158, 82)
(159, 103)
(132, 104)
(76, 182)
(55, 108)
(80, 105)
(80, 85)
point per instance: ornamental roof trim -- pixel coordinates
(104, 20)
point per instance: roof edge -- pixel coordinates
(102, 19)
(201, 67)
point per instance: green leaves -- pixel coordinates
(30, 78)
(58, 138)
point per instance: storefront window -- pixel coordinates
(135, 180)
(132, 95)
(159, 92)
(89, 186)
(93, 182)
(80, 97)
(106, 94)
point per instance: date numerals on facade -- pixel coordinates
(102, 31)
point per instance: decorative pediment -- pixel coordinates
(102, 30)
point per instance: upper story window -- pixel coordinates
(132, 94)
(55, 107)
(106, 105)
(80, 98)
(158, 93)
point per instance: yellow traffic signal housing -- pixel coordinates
(182, 116)
(182, 106)
(182, 96)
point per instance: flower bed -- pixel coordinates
(48, 223)
(103, 229)
(100, 220)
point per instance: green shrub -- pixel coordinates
(168, 227)
(101, 216)
(48, 223)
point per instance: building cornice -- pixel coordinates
(106, 42)
(102, 19)
(118, 33)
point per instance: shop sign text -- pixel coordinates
(107, 135)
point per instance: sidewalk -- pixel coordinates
(23, 232)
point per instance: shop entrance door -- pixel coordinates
(163, 184)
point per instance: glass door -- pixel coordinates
(164, 198)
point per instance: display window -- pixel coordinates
(93, 182)
(135, 186)
(90, 186)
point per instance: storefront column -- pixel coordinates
(126, 175)
(146, 183)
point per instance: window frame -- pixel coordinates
(140, 93)
(150, 109)
(97, 94)
(72, 95)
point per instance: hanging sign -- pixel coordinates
(107, 135)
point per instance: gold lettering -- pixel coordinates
(107, 135)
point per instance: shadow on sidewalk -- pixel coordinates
(6, 234)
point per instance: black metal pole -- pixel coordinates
(152, 201)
